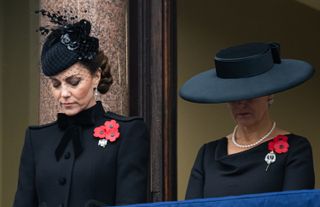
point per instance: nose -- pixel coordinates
(65, 93)
(241, 103)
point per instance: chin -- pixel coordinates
(245, 122)
(71, 112)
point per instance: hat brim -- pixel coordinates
(206, 87)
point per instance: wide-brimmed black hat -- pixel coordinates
(244, 72)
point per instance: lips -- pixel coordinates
(67, 104)
(243, 114)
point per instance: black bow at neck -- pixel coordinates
(72, 127)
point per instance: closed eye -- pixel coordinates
(73, 81)
(55, 83)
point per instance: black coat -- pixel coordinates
(114, 175)
(215, 173)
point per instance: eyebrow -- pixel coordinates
(66, 79)
(53, 79)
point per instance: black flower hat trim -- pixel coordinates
(75, 36)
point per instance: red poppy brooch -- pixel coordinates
(277, 145)
(109, 131)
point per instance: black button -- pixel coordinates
(67, 155)
(62, 181)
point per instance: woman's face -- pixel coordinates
(251, 111)
(74, 87)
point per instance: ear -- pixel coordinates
(97, 77)
(270, 99)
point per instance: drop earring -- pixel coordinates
(270, 101)
(96, 93)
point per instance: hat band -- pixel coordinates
(247, 67)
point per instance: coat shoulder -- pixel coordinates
(43, 126)
(112, 115)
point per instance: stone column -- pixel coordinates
(109, 24)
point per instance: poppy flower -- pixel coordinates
(271, 146)
(100, 132)
(281, 147)
(111, 125)
(281, 138)
(112, 135)
(279, 144)
(109, 131)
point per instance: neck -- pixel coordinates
(251, 133)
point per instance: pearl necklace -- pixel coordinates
(233, 138)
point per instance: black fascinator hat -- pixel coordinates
(244, 72)
(66, 44)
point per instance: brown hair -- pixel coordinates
(100, 61)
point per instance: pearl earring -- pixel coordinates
(96, 93)
(270, 101)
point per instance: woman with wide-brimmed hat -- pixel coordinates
(257, 156)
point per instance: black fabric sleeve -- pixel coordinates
(196, 180)
(299, 172)
(26, 192)
(132, 165)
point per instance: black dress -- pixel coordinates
(82, 173)
(215, 173)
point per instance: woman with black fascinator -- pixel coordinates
(88, 157)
